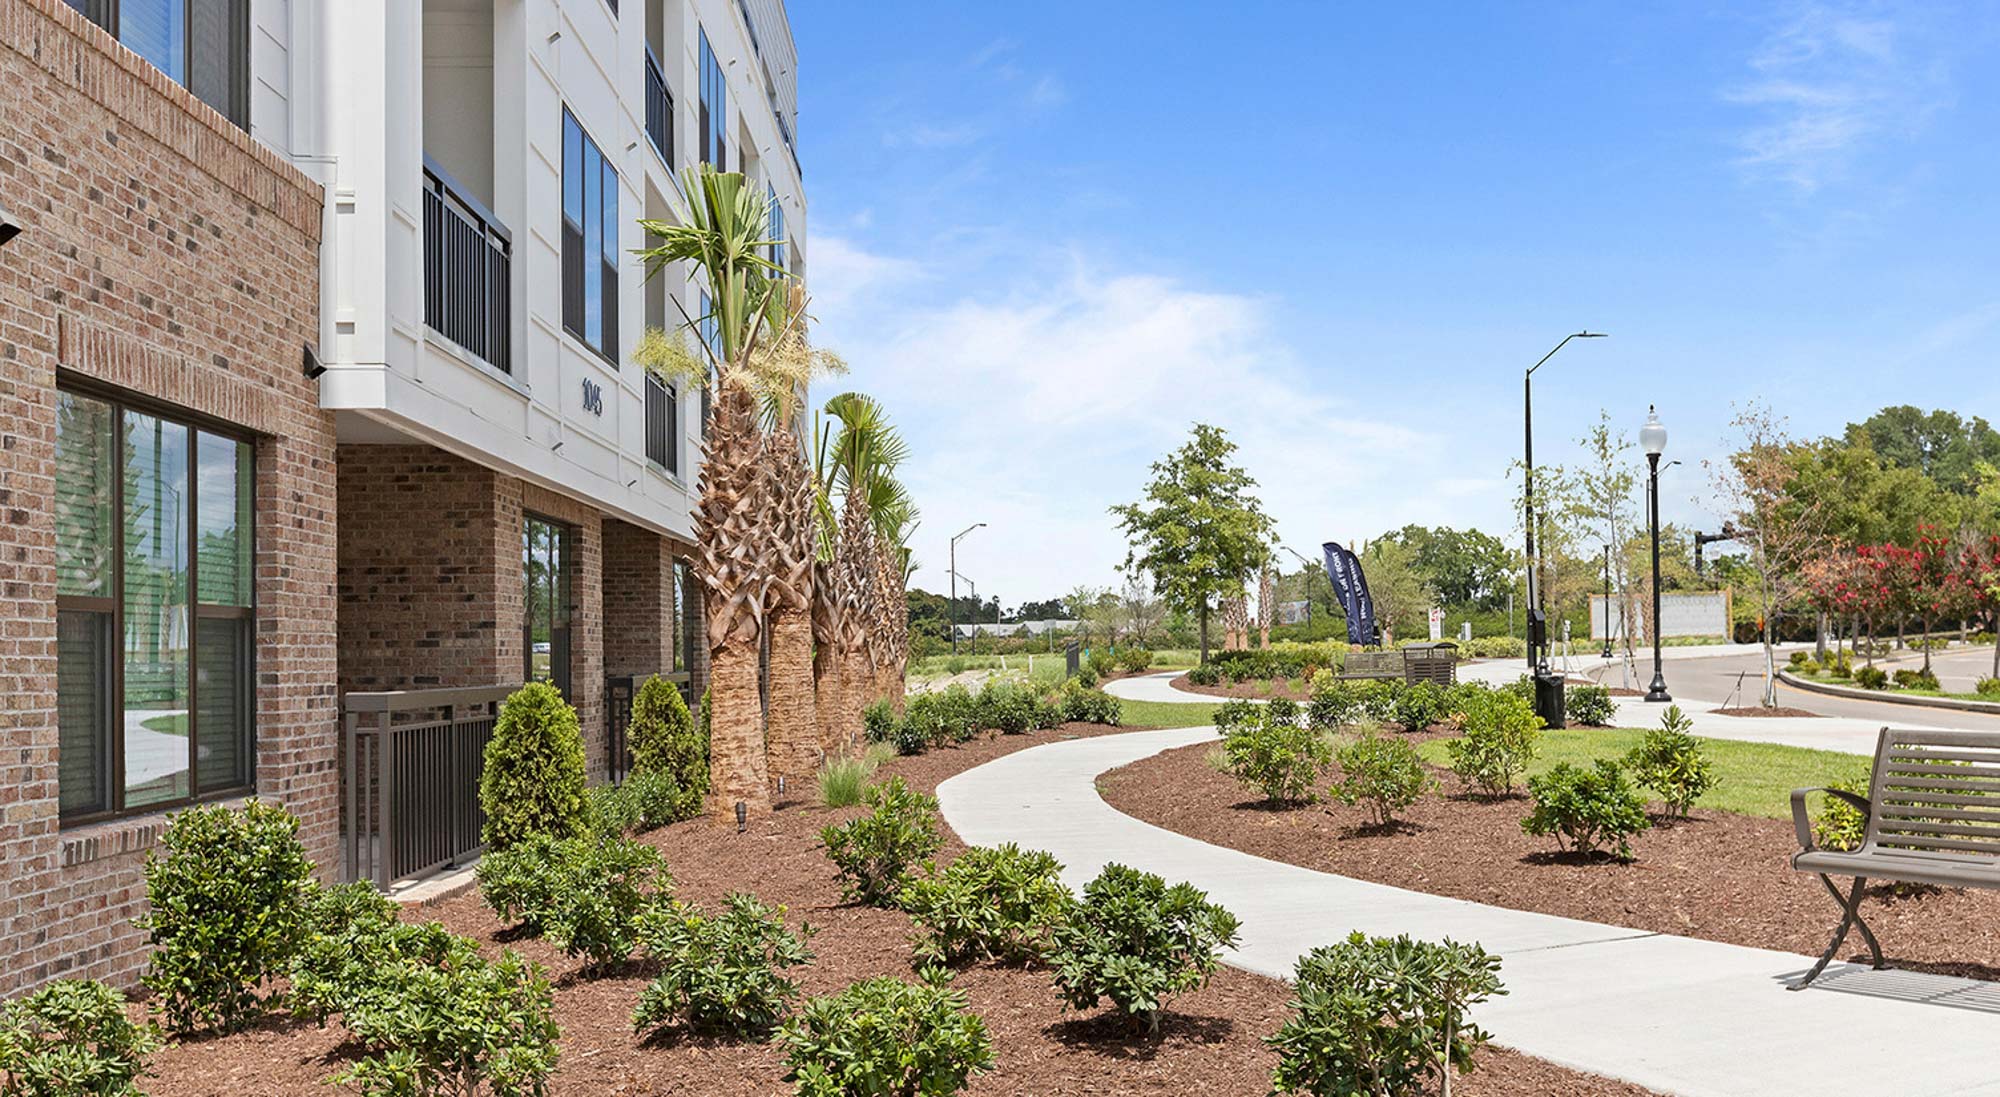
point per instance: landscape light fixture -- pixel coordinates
(1653, 440)
(742, 816)
(9, 228)
(952, 608)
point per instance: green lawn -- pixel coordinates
(1757, 778)
(171, 723)
(1165, 714)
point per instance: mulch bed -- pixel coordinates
(1717, 875)
(1262, 689)
(1211, 1042)
(1760, 710)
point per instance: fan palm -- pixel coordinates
(857, 465)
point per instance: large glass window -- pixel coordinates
(201, 44)
(589, 241)
(777, 228)
(714, 113)
(154, 602)
(547, 549)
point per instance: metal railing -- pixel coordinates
(410, 779)
(618, 694)
(468, 270)
(659, 110)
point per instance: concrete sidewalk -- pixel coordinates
(1671, 1013)
(1158, 687)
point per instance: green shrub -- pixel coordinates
(1136, 941)
(1281, 710)
(1001, 903)
(1010, 709)
(1375, 699)
(885, 1038)
(1798, 658)
(646, 799)
(878, 721)
(958, 716)
(1841, 826)
(582, 893)
(1232, 714)
(1587, 810)
(1135, 660)
(842, 781)
(1089, 706)
(533, 778)
(1419, 705)
(1282, 760)
(1497, 744)
(1384, 1017)
(1808, 667)
(1988, 687)
(1871, 678)
(345, 930)
(1670, 762)
(437, 1018)
(1385, 774)
(1494, 647)
(876, 852)
(1207, 674)
(666, 739)
(72, 1038)
(720, 973)
(922, 724)
(1048, 713)
(1840, 666)
(1590, 705)
(1086, 676)
(227, 891)
(1916, 679)
(1334, 702)
(1103, 664)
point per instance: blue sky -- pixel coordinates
(1051, 236)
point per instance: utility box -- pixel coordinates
(1549, 698)
(1072, 657)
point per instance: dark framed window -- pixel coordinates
(203, 45)
(776, 227)
(687, 615)
(709, 328)
(663, 428)
(548, 555)
(659, 109)
(154, 605)
(714, 110)
(589, 241)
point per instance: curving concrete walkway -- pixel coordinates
(1671, 1013)
(1159, 687)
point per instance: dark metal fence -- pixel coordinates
(410, 779)
(468, 268)
(659, 110)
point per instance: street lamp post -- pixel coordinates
(1537, 627)
(1653, 439)
(952, 609)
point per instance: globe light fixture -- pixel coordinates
(1653, 439)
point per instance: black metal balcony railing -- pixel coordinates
(410, 779)
(659, 110)
(468, 270)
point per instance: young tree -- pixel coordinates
(1402, 596)
(1781, 529)
(1199, 530)
(1142, 609)
(1601, 501)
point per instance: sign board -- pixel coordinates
(1683, 613)
(1437, 623)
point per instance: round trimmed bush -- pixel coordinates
(1138, 942)
(885, 1038)
(533, 780)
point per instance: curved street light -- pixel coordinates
(951, 609)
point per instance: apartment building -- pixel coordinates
(322, 430)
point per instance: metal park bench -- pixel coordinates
(1933, 811)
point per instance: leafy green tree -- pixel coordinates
(1940, 445)
(1464, 567)
(1402, 595)
(1199, 532)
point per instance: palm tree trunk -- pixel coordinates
(736, 732)
(794, 724)
(827, 698)
(856, 681)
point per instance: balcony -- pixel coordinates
(468, 269)
(410, 769)
(659, 111)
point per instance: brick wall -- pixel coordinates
(638, 600)
(586, 618)
(166, 254)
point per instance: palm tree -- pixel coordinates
(721, 233)
(857, 464)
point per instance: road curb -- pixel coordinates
(1883, 695)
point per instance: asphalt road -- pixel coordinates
(1739, 680)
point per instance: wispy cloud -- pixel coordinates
(1828, 85)
(925, 135)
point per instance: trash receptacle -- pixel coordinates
(1549, 698)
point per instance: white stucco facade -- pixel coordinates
(360, 93)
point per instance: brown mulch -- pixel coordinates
(1716, 875)
(1760, 710)
(1263, 689)
(1211, 1043)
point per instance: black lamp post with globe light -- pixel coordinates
(1653, 439)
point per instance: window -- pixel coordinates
(547, 551)
(589, 241)
(714, 117)
(687, 615)
(710, 330)
(777, 227)
(203, 45)
(663, 442)
(154, 599)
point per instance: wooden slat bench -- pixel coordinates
(1933, 811)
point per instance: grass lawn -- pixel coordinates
(1165, 714)
(171, 723)
(1757, 778)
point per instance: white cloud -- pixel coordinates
(924, 135)
(1828, 85)
(1035, 407)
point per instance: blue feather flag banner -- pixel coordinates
(1343, 570)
